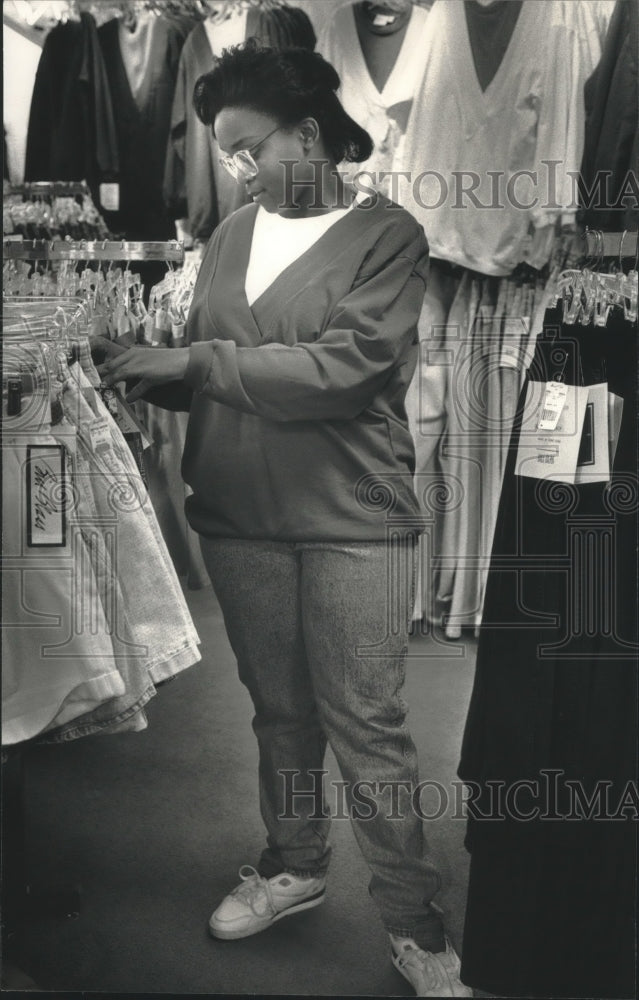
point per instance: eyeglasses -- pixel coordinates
(241, 165)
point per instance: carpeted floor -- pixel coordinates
(154, 827)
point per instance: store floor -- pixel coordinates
(154, 826)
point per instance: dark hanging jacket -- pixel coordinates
(195, 185)
(143, 130)
(612, 126)
(72, 134)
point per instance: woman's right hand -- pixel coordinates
(102, 348)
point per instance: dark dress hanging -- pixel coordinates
(612, 126)
(71, 134)
(551, 901)
(143, 129)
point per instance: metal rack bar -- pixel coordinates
(52, 189)
(611, 244)
(106, 250)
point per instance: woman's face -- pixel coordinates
(275, 186)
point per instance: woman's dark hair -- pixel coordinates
(289, 85)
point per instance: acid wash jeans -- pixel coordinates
(297, 616)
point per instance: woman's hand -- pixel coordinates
(103, 348)
(152, 365)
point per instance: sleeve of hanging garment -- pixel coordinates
(174, 185)
(561, 105)
(368, 335)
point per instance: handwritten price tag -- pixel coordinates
(46, 496)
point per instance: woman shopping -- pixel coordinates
(302, 343)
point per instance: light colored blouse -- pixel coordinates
(278, 241)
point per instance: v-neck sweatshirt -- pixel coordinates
(136, 48)
(297, 428)
(142, 126)
(490, 29)
(529, 118)
(382, 113)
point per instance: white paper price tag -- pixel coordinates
(553, 404)
(551, 454)
(110, 197)
(99, 435)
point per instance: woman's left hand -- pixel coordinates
(152, 365)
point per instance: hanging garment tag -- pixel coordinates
(515, 328)
(127, 420)
(551, 454)
(46, 496)
(178, 334)
(146, 329)
(383, 20)
(99, 435)
(554, 401)
(110, 197)
(161, 329)
(615, 412)
(593, 461)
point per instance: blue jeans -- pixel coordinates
(297, 615)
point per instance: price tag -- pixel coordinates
(46, 496)
(178, 334)
(128, 422)
(383, 20)
(554, 402)
(147, 328)
(99, 435)
(110, 197)
(551, 454)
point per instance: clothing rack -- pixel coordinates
(51, 189)
(611, 244)
(38, 16)
(106, 250)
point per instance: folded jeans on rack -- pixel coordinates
(123, 509)
(57, 651)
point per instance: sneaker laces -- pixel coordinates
(254, 888)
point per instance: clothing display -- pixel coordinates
(554, 701)
(49, 210)
(461, 406)
(142, 120)
(196, 186)
(490, 166)
(81, 636)
(384, 113)
(556, 688)
(612, 147)
(380, 455)
(72, 131)
(476, 57)
(165, 324)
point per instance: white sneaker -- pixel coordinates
(256, 902)
(430, 974)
